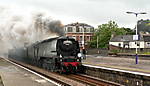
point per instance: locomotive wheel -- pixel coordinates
(70, 67)
(81, 69)
(45, 65)
(52, 69)
(39, 63)
(62, 70)
(74, 70)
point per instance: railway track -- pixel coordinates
(91, 81)
(67, 80)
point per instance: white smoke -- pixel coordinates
(18, 27)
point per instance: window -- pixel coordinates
(88, 38)
(81, 29)
(148, 44)
(84, 29)
(87, 30)
(91, 29)
(81, 38)
(138, 43)
(77, 29)
(69, 29)
(119, 44)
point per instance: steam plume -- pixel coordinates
(19, 27)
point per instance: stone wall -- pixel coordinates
(123, 78)
(112, 48)
(100, 51)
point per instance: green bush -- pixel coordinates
(115, 51)
(145, 53)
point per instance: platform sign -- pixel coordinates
(135, 37)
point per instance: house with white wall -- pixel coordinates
(126, 41)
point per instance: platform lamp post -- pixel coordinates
(83, 39)
(97, 40)
(136, 36)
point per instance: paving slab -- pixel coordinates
(15, 76)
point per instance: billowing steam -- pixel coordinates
(17, 28)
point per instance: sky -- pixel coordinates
(92, 12)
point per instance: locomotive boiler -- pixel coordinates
(59, 54)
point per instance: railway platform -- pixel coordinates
(15, 76)
(122, 70)
(123, 63)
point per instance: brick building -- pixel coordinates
(80, 31)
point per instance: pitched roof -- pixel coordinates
(79, 24)
(122, 38)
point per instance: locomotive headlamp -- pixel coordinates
(78, 59)
(60, 56)
(82, 56)
(79, 55)
(61, 60)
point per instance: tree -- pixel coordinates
(143, 26)
(104, 33)
(129, 31)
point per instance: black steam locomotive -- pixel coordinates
(59, 54)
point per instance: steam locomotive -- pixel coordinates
(59, 54)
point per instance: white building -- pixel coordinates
(126, 41)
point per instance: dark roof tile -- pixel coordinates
(122, 38)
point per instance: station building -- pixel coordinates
(82, 32)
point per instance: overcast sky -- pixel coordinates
(93, 12)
